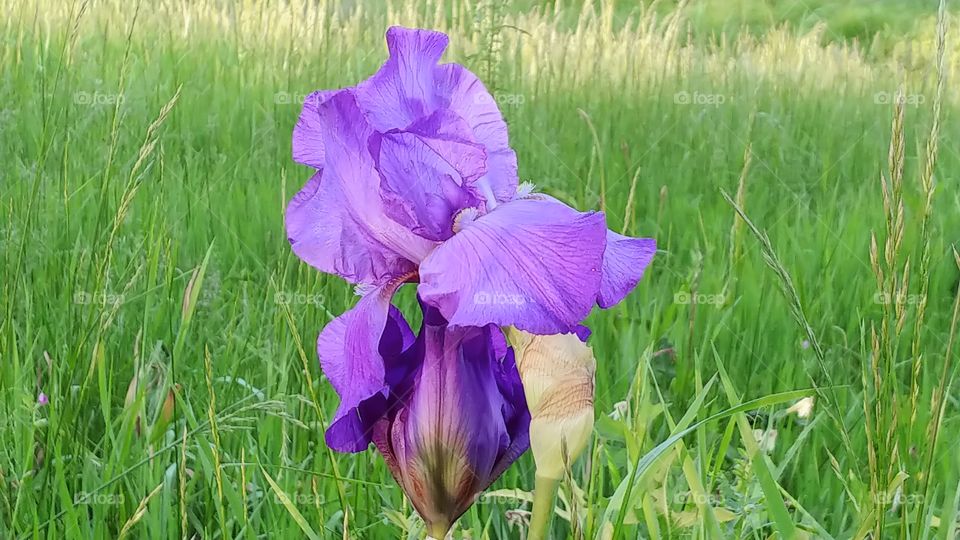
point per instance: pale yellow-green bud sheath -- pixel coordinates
(558, 379)
(437, 531)
(544, 492)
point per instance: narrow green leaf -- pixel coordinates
(759, 463)
(644, 463)
(288, 504)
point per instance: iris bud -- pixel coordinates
(558, 379)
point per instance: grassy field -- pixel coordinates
(150, 294)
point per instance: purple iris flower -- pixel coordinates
(455, 417)
(415, 182)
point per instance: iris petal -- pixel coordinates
(424, 173)
(456, 383)
(355, 352)
(308, 133)
(411, 86)
(514, 410)
(403, 90)
(333, 223)
(469, 98)
(530, 263)
(459, 424)
(624, 261)
(449, 136)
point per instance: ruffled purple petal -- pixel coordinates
(404, 89)
(449, 136)
(530, 263)
(424, 171)
(334, 223)
(411, 86)
(359, 351)
(308, 133)
(469, 98)
(624, 262)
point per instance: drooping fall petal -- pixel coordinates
(624, 261)
(534, 264)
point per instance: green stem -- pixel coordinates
(544, 491)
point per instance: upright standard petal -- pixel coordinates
(425, 171)
(411, 86)
(624, 261)
(404, 89)
(469, 98)
(458, 425)
(530, 263)
(308, 133)
(334, 223)
(359, 351)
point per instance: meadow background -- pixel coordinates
(149, 292)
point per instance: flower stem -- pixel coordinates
(544, 491)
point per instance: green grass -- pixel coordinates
(149, 246)
(878, 25)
